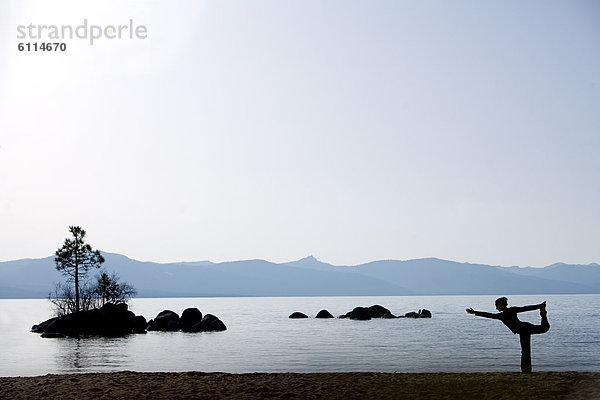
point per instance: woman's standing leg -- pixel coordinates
(525, 333)
(525, 338)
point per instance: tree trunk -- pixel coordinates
(76, 276)
(76, 288)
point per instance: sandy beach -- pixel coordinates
(198, 385)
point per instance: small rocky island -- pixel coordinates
(112, 320)
(366, 313)
(99, 308)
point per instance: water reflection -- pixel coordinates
(91, 354)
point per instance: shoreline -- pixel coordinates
(343, 386)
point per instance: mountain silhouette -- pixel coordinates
(34, 278)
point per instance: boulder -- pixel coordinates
(167, 314)
(324, 314)
(139, 324)
(378, 311)
(174, 325)
(424, 313)
(388, 316)
(190, 317)
(366, 313)
(297, 314)
(41, 327)
(161, 322)
(116, 319)
(360, 313)
(209, 323)
(54, 327)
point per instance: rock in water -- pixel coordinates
(366, 313)
(139, 324)
(361, 314)
(209, 323)
(190, 317)
(378, 311)
(298, 315)
(41, 327)
(173, 326)
(161, 322)
(324, 314)
(424, 313)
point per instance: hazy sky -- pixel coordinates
(349, 130)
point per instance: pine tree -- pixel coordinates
(76, 257)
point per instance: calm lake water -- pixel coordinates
(261, 338)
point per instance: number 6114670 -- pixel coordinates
(44, 46)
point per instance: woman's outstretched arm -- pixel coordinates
(484, 314)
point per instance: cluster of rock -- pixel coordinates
(110, 320)
(366, 313)
(116, 320)
(191, 320)
(424, 313)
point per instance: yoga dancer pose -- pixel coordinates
(508, 315)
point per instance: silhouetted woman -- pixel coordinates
(508, 315)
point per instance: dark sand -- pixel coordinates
(343, 386)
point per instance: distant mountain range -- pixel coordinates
(34, 278)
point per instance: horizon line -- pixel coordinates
(316, 259)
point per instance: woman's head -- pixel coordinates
(501, 303)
